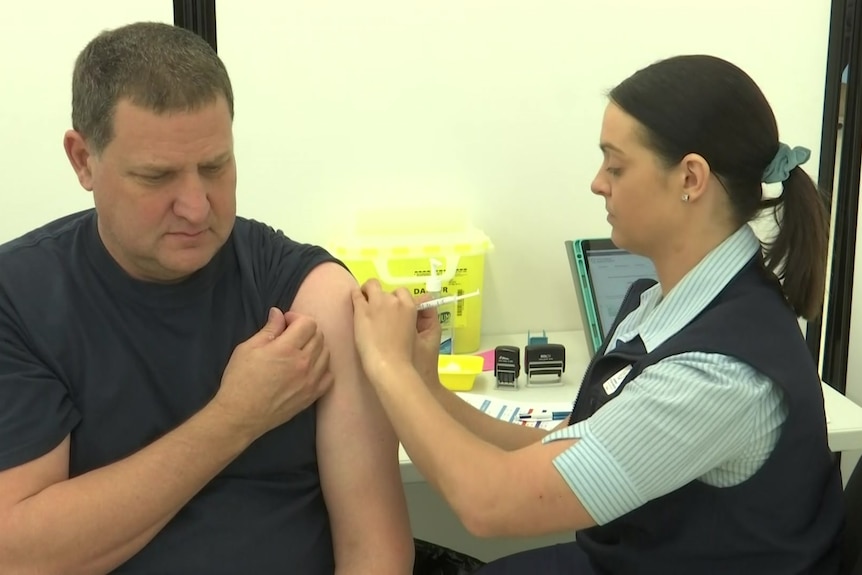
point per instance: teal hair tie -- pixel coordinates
(785, 160)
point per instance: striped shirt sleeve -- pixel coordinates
(692, 416)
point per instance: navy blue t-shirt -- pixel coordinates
(86, 350)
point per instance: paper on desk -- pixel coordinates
(510, 410)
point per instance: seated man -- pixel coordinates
(168, 403)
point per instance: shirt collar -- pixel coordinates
(656, 318)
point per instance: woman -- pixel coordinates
(698, 440)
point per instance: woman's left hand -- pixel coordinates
(384, 327)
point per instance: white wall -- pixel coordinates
(39, 42)
(493, 106)
(490, 105)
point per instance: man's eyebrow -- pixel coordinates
(218, 160)
(153, 167)
(167, 168)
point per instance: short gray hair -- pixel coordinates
(156, 66)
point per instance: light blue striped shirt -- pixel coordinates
(693, 416)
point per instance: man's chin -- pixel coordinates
(184, 265)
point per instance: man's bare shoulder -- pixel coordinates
(329, 281)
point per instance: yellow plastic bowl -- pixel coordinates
(458, 372)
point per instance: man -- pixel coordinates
(179, 387)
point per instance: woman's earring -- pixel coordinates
(685, 197)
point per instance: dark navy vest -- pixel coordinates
(785, 519)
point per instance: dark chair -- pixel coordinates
(851, 547)
(434, 559)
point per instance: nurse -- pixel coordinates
(708, 454)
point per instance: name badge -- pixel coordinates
(613, 384)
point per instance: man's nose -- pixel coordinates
(192, 201)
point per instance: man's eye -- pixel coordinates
(153, 178)
(211, 170)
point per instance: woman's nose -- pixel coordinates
(599, 185)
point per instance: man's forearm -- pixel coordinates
(97, 521)
(389, 556)
(503, 434)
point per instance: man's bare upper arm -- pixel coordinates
(357, 448)
(26, 480)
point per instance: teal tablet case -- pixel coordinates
(586, 298)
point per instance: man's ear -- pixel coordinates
(695, 176)
(80, 157)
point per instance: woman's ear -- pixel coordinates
(695, 176)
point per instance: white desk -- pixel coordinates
(433, 520)
(844, 418)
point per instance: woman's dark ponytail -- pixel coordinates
(797, 255)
